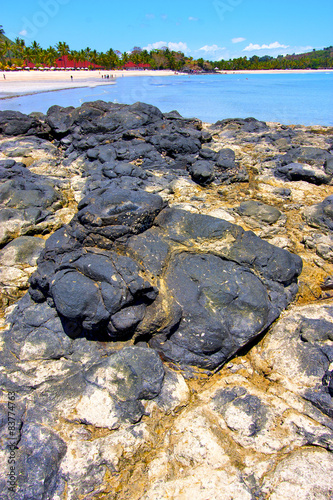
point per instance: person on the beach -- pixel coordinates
(71, 77)
(4, 76)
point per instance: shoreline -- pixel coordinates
(21, 83)
(273, 71)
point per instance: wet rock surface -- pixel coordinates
(151, 357)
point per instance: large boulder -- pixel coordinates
(198, 307)
(16, 123)
(202, 172)
(248, 125)
(259, 211)
(320, 215)
(228, 292)
(93, 292)
(26, 200)
(101, 117)
(303, 172)
(114, 213)
(223, 307)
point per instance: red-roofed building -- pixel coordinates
(65, 62)
(132, 65)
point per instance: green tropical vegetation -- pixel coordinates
(309, 60)
(16, 53)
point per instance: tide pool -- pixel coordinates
(305, 98)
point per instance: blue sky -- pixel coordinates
(212, 29)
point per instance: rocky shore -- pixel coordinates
(166, 306)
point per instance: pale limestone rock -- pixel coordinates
(192, 442)
(201, 484)
(285, 352)
(220, 213)
(96, 407)
(304, 474)
(185, 206)
(88, 459)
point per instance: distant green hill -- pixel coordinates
(316, 59)
(322, 58)
(3, 38)
(314, 54)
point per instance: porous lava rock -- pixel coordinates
(212, 302)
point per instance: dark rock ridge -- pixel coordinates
(107, 133)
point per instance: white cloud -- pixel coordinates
(193, 18)
(23, 33)
(237, 40)
(211, 48)
(155, 45)
(271, 46)
(180, 46)
(150, 16)
(300, 50)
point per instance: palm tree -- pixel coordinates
(63, 50)
(2, 31)
(81, 56)
(7, 44)
(35, 53)
(2, 54)
(125, 58)
(112, 59)
(50, 56)
(94, 57)
(74, 56)
(87, 53)
(19, 49)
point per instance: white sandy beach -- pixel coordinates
(28, 82)
(274, 71)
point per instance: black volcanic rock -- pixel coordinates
(16, 123)
(226, 159)
(98, 292)
(92, 290)
(321, 215)
(302, 172)
(259, 211)
(100, 117)
(26, 200)
(202, 172)
(243, 279)
(113, 213)
(248, 125)
(223, 307)
(175, 144)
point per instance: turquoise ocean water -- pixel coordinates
(305, 99)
